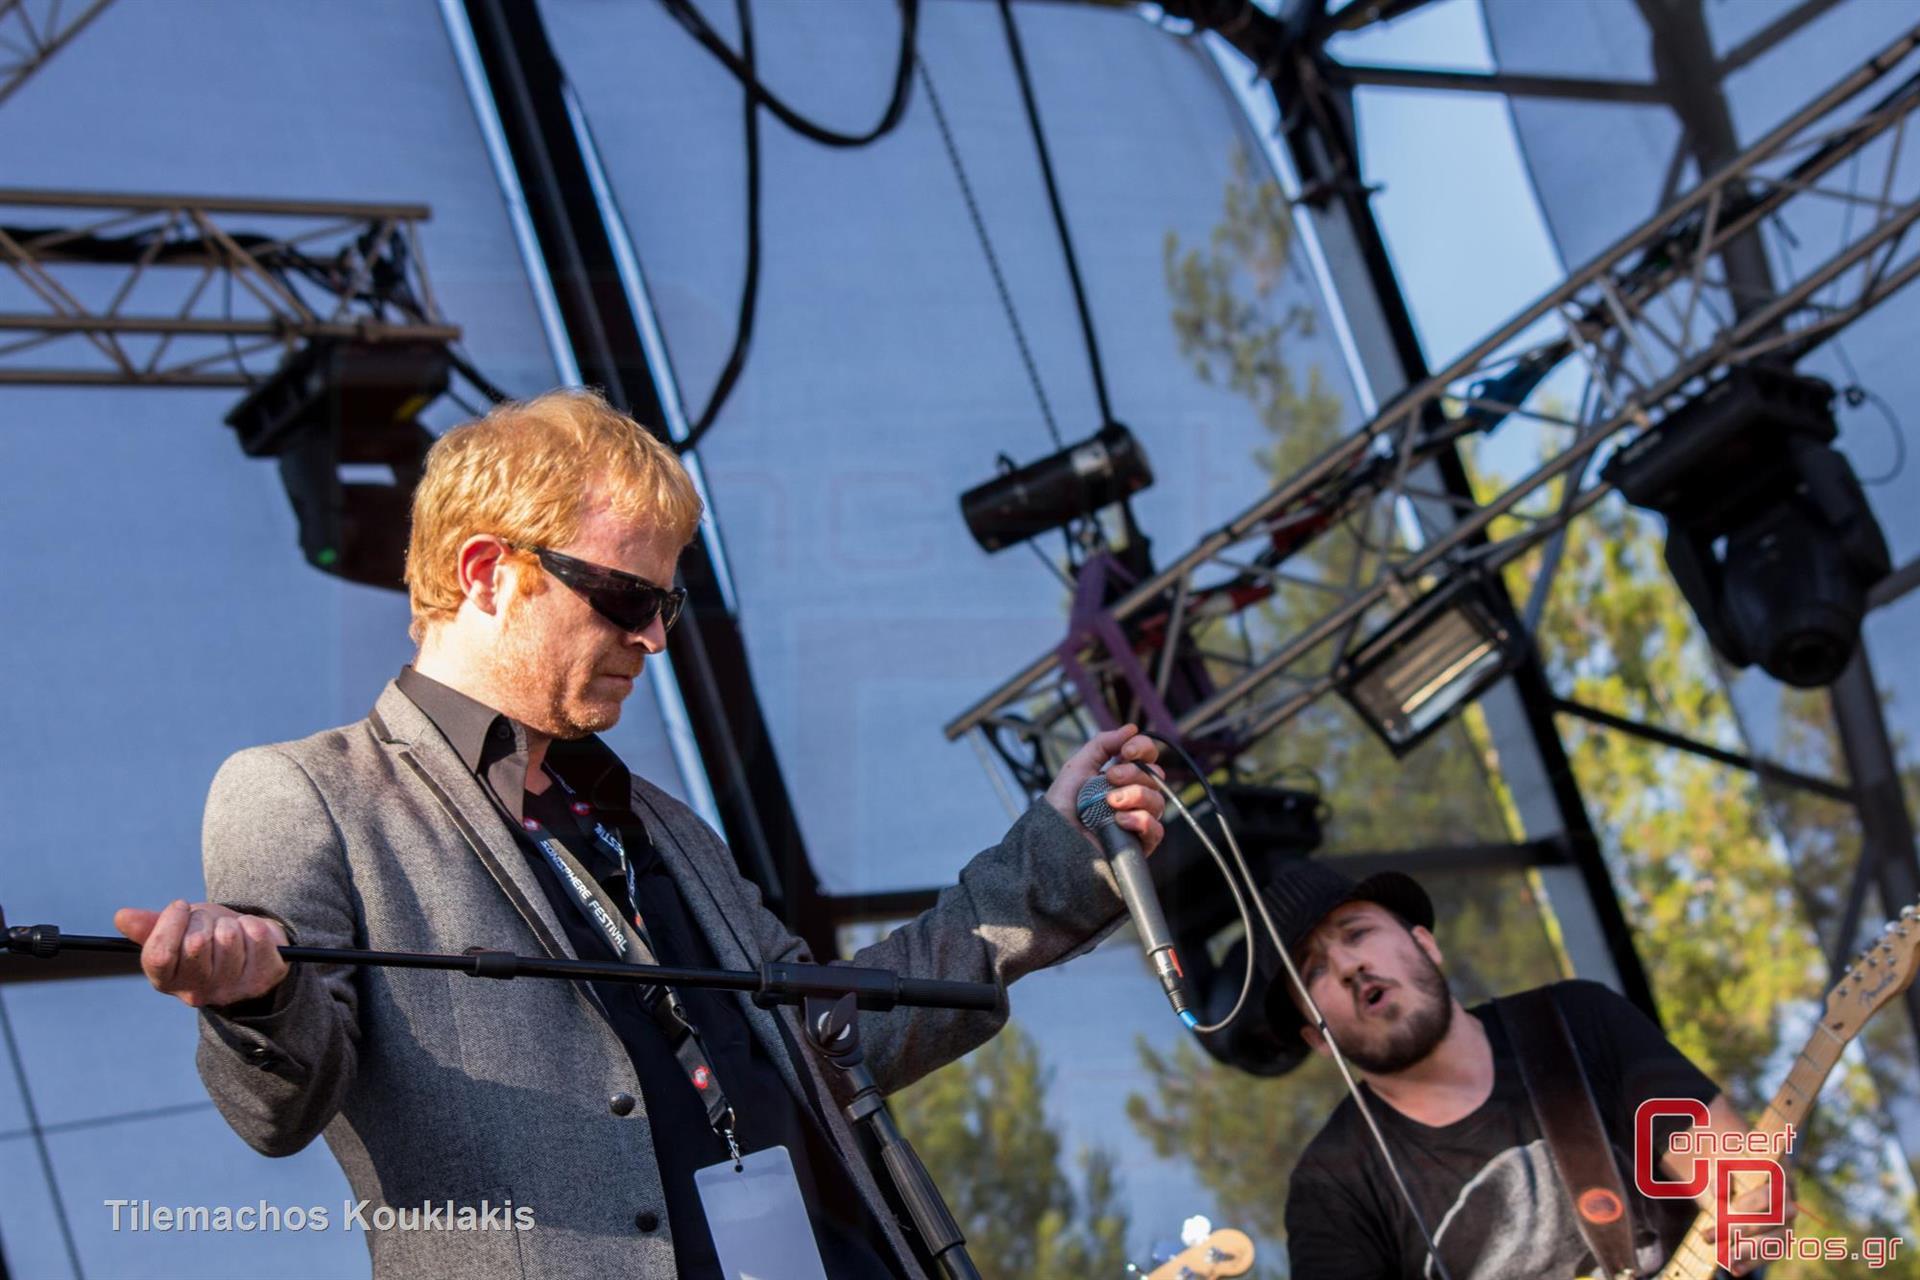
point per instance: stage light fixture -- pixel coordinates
(1435, 656)
(337, 404)
(1769, 535)
(1107, 467)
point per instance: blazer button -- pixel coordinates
(646, 1220)
(621, 1104)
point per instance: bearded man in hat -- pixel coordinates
(1445, 1084)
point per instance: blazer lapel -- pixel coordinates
(425, 753)
(696, 882)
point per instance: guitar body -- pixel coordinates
(1223, 1253)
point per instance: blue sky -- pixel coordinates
(1465, 265)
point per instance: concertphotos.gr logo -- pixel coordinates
(1718, 1161)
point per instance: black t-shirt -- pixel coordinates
(683, 1141)
(1485, 1184)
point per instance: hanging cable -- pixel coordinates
(1293, 975)
(1857, 395)
(750, 284)
(1059, 216)
(689, 17)
(993, 259)
(1856, 392)
(233, 343)
(1072, 531)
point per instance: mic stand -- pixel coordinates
(834, 1029)
(830, 996)
(780, 982)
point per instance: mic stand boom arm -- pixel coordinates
(830, 995)
(780, 982)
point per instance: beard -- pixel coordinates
(1407, 1040)
(534, 691)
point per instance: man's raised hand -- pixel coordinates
(1136, 803)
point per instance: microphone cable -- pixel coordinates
(1293, 975)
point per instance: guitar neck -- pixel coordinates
(1694, 1258)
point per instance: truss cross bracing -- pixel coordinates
(1644, 325)
(109, 289)
(31, 32)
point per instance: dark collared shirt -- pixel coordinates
(494, 746)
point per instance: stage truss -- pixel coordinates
(31, 33)
(1368, 526)
(165, 290)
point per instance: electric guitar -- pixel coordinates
(1875, 977)
(1223, 1253)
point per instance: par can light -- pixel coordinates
(1052, 493)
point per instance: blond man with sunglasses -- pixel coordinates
(540, 1128)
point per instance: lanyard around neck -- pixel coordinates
(629, 941)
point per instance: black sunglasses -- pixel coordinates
(630, 603)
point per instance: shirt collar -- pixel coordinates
(494, 746)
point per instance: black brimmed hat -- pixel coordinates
(1304, 894)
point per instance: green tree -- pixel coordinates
(981, 1127)
(1718, 878)
(1234, 323)
(1720, 884)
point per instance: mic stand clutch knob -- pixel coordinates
(833, 1027)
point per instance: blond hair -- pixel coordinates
(523, 473)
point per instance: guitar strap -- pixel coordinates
(1570, 1122)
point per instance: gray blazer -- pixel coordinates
(438, 1089)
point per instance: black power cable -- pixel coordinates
(689, 17)
(1059, 216)
(745, 68)
(750, 284)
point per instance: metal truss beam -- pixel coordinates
(1359, 14)
(1762, 768)
(1506, 82)
(1894, 585)
(101, 289)
(1520, 84)
(1647, 322)
(708, 645)
(1769, 37)
(27, 42)
(1456, 859)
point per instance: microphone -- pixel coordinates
(1136, 890)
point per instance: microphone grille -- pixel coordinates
(1095, 812)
